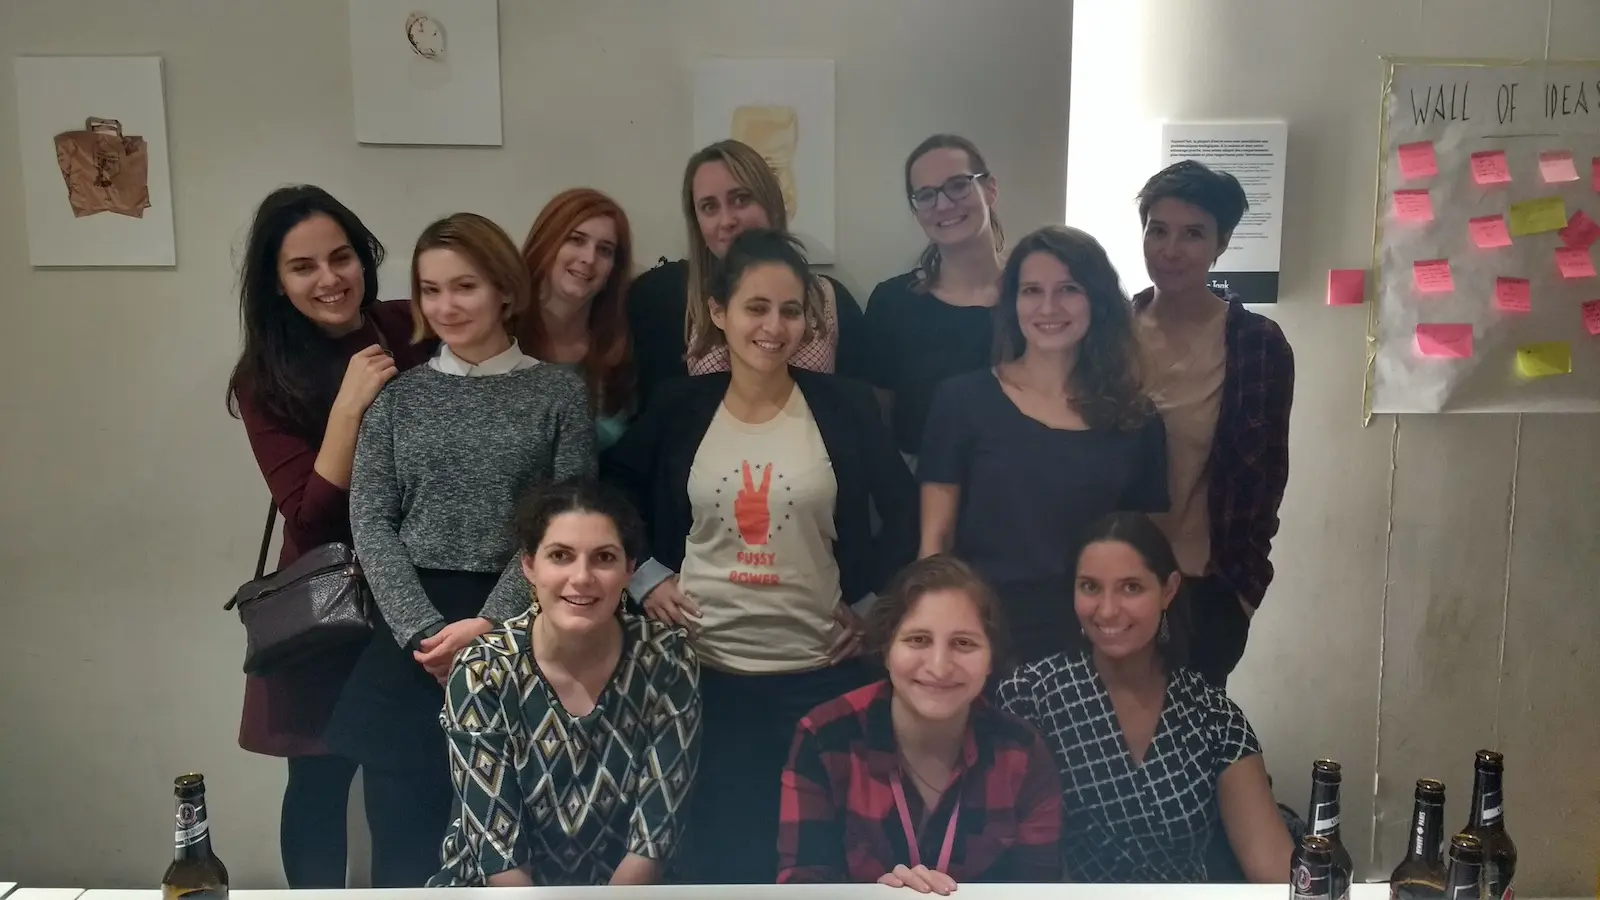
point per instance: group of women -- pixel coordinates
(655, 547)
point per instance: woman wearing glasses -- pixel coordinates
(933, 322)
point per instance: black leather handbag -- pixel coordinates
(316, 603)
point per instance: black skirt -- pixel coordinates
(388, 715)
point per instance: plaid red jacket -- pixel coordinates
(1249, 464)
(838, 820)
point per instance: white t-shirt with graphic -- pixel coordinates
(759, 557)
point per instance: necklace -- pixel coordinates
(921, 779)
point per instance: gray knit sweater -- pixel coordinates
(440, 465)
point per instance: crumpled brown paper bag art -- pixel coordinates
(105, 170)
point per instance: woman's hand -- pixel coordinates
(847, 642)
(438, 653)
(921, 879)
(369, 370)
(667, 603)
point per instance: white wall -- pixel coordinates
(1436, 588)
(131, 504)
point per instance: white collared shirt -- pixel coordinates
(510, 360)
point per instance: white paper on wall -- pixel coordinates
(92, 139)
(1473, 313)
(783, 108)
(426, 71)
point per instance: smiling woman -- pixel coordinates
(976, 796)
(1017, 459)
(444, 452)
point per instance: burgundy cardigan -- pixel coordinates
(285, 712)
(1248, 468)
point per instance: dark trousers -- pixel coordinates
(1218, 631)
(747, 731)
(387, 720)
(312, 837)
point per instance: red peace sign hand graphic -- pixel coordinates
(750, 507)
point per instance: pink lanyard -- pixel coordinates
(911, 833)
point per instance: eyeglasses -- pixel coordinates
(957, 189)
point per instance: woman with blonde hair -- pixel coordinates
(445, 452)
(579, 254)
(728, 188)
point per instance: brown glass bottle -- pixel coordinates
(1464, 879)
(196, 873)
(1487, 822)
(1311, 869)
(1420, 876)
(1323, 816)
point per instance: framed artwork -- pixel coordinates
(784, 109)
(92, 134)
(426, 71)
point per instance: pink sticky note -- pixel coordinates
(1413, 206)
(1594, 174)
(1417, 160)
(1489, 232)
(1581, 231)
(1591, 317)
(1490, 167)
(1513, 295)
(1432, 276)
(1445, 341)
(1574, 262)
(1347, 287)
(1557, 166)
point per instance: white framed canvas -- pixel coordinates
(426, 71)
(784, 109)
(92, 135)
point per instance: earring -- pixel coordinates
(1163, 633)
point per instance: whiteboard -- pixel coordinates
(1526, 115)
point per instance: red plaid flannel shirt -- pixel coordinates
(1249, 464)
(837, 816)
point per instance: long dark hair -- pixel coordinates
(1140, 532)
(1105, 382)
(760, 246)
(287, 364)
(930, 262)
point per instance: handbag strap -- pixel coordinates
(266, 539)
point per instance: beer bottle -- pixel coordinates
(1464, 879)
(195, 873)
(1325, 778)
(1420, 876)
(1311, 869)
(1487, 823)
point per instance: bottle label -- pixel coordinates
(1308, 887)
(192, 825)
(1492, 809)
(1325, 818)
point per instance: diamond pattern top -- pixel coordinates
(1145, 822)
(566, 797)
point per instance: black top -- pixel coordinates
(915, 341)
(658, 300)
(1029, 490)
(652, 460)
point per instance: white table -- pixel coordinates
(7, 887)
(28, 893)
(787, 892)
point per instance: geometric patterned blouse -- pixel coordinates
(1141, 823)
(567, 797)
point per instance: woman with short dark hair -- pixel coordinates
(1152, 758)
(1223, 378)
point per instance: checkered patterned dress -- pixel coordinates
(1125, 822)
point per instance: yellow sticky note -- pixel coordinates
(1537, 216)
(1543, 360)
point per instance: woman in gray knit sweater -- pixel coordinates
(444, 454)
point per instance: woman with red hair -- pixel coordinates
(580, 258)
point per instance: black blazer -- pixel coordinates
(651, 464)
